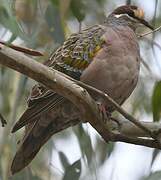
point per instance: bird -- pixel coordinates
(105, 56)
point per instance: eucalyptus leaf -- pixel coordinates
(55, 2)
(103, 150)
(154, 176)
(85, 143)
(156, 101)
(155, 154)
(53, 19)
(64, 160)
(73, 171)
(27, 174)
(78, 9)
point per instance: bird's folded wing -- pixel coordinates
(37, 105)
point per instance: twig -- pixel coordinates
(146, 65)
(137, 141)
(3, 121)
(80, 27)
(150, 32)
(128, 2)
(25, 50)
(154, 42)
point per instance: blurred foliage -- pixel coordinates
(78, 9)
(153, 176)
(73, 171)
(156, 101)
(44, 25)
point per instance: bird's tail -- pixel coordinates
(36, 135)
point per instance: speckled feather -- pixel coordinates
(77, 52)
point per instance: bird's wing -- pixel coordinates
(72, 58)
(77, 52)
(40, 101)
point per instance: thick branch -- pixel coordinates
(57, 83)
(129, 129)
(67, 88)
(116, 105)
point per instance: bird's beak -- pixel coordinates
(139, 15)
(145, 23)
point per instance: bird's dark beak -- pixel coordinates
(145, 23)
(139, 15)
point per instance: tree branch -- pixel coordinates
(137, 141)
(116, 105)
(25, 50)
(150, 32)
(129, 129)
(62, 85)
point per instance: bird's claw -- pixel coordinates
(103, 112)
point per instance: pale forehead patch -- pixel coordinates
(139, 13)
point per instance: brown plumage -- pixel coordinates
(104, 56)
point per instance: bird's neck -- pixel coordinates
(121, 21)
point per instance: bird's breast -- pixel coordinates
(115, 68)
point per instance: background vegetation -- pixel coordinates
(78, 152)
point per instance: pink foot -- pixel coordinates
(103, 111)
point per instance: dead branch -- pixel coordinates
(25, 50)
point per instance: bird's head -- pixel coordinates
(133, 15)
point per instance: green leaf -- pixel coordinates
(101, 2)
(63, 159)
(9, 21)
(103, 150)
(53, 19)
(12, 38)
(17, 94)
(73, 171)
(154, 176)
(55, 2)
(78, 9)
(155, 154)
(26, 174)
(156, 101)
(85, 143)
